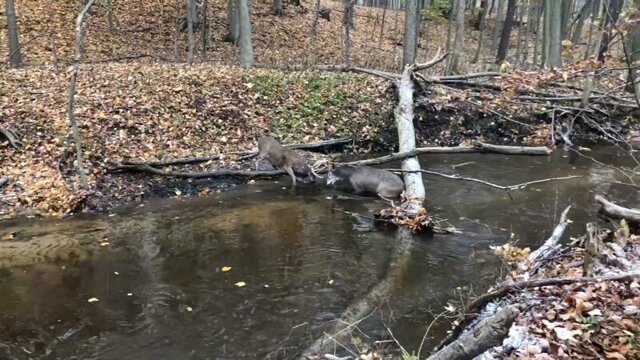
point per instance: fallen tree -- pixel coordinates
(478, 147)
(616, 211)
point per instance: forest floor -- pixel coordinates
(137, 100)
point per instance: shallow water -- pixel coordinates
(162, 294)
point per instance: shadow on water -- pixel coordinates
(156, 269)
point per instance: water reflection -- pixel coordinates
(162, 294)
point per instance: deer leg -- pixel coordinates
(289, 171)
(387, 199)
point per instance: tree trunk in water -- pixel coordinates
(410, 36)
(482, 27)
(347, 19)
(15, 56)
(634, 57)
(233, 22)
(497, 26)
(457, 44)
(205, 28)
(277, 8)
(611, 13)
(191, 14)
(72, 91)
(503, 48)
(582, 15)
(246, 45)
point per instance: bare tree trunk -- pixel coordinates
(277, 8)
(595, 10)
(233, 22)
(80, 20)
(633, 48)
(191, 14)
(565, 17)
(612, 10)
(582, 15)
(246, 45)
(176, 32)
(452, 11)
(316, 15)
(384, 14)
(497, 26)
(553, 12)
(205, 29)
(347, 19)
(520, 15)
(527, 33)
(457, 46)
(481, 28)
(410, 36)
(503, 48)
(15, 56)
(537, 45)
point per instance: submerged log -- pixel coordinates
(195, 175)
(616, 211)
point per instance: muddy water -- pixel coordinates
(156, 268)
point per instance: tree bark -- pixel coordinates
(486, 334)
(565, 17)
(617, 211)
(277, 8)
(15, 55)
(503, 47)
(612, 10)
(498, 21)
(552, 17)
(191, 14)
(205, 28)
(457, 43)
(80, 21)
(316, 15)
(633, 78)
(582, 15)
(246, 45)
(410, 36)
(347, 20)
(233, 22)
(481, 27)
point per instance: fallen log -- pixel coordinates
(195, 175)
(478, 147)
(486, 334)
(616, 211)
(550, 246)
(517, 287)
(243, 154)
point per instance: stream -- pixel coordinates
(154, 271)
